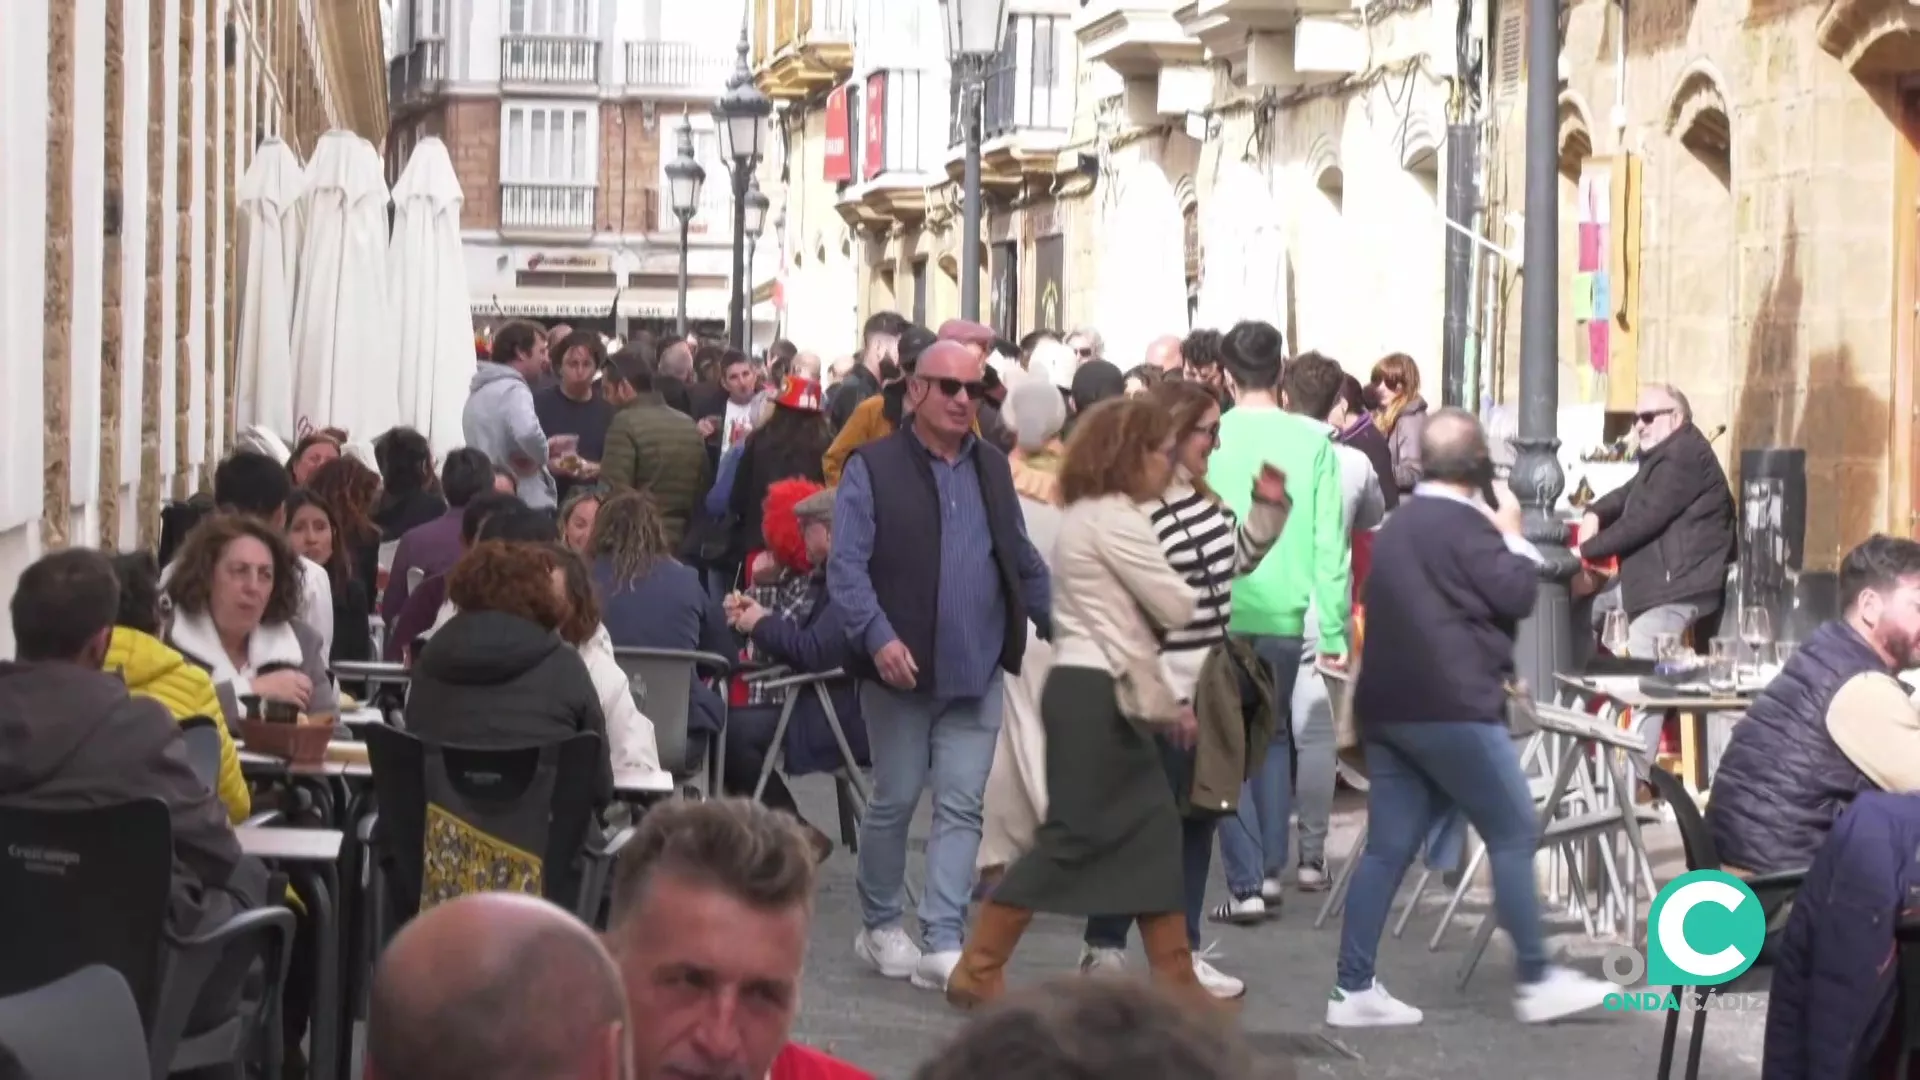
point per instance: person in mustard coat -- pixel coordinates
(153, 669)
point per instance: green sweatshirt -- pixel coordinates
(1313, 560)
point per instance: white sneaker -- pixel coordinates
(1097, 961)
(1217, 982)
(1311, 877)
(888, 950)
(933, 969)
(1271, 890)
(1562, 992)
(1245, 912)
(1372, 1007)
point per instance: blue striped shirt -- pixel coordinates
(971, 622)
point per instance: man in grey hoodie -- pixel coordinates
(499, 419)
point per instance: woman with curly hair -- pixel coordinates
(315, 534)
(498, 673)
(1111, 843)
(650, 600)
(351, 492)
(236, 588)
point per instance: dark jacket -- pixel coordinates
(656, 449)
(761, 465)
(421, 611)
(1836, 964)
(1782, 780)
(816, 642)
(846, 395)
(668, 609)
(1444, 601)
(1672, 525)
(1234, 703)
(75, 740)
(906, 529)
(432, 549)
(488, 678)
(1363, 436)
(399, 515)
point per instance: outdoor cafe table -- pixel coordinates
(1617, 694)
(313, 856)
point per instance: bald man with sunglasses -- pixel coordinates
(933, 568)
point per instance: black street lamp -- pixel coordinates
(975, 29)
(753, 223)
(1546, 641)
(685, 178)
(741, 115)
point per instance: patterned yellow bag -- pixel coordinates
(460, 859)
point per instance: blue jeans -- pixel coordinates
(1253, 842)
(1196, 862)
(1418, 770)
(915, 739)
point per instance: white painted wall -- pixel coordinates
(23, 236)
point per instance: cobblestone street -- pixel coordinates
(889, 1027)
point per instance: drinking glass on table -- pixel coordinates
(1724, 654)
(1666, 649)
(1613, 633)
(1756, 629)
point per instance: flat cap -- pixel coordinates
(816, 507)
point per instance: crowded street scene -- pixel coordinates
(956, 539)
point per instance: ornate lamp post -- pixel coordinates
(741, 115)
(685, 178)
(752, 223)
(975, 29)
(1546, 642)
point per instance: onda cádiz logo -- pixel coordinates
(1704, 930)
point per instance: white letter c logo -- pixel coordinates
(1673, 928)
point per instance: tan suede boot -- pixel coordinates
(1170, 959)
(980, 977)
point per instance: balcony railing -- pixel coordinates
(544, 58)
(1028, 85)
(414, 75)
(678, 65)
(547, 207)
(713, 215)
(915, 107)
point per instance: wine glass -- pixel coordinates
(1756, 630)
(1613, 633)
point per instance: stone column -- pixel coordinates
(148, 505)
(58, 308)
(113, 285)
(182, 298)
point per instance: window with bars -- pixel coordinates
(548, 145)
(568, 18)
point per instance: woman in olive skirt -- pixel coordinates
(1110, 844)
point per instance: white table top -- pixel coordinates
(1626, 690)
(290, 845)
(365, 714)
(642, 781)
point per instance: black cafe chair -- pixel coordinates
(86, 887)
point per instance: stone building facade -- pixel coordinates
(1774, 183)
(128, 127)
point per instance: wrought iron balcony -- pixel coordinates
(678, 66)
(801, 46)
(549, 60)
(418, 73)
(547, 208)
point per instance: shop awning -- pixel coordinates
(643, 303)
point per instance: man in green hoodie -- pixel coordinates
(1308, 568)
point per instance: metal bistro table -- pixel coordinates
(1609, 697)
(313, 855)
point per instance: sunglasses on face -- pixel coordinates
(953, 388)
(1082, 352)
(1650, 416)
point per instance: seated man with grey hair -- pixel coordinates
(496, 986)
(806, 634)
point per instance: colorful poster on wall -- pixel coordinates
(1591, 302)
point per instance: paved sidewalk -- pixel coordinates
(889, 1027)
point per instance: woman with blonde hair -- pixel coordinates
(1111, 841)
(1401, 413)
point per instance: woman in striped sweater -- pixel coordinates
(1208, 546)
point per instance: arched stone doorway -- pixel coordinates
(1245, 254)
(1143, 287)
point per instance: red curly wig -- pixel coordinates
(781, 528)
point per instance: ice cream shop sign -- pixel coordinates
(567, 262)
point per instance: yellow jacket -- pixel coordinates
(868, 423)
(153, 669)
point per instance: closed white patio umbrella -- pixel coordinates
(344, 374)
(427, 279)
(269, 197)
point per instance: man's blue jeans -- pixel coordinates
(1419, 770)
(1253, 842)
(916, 738)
